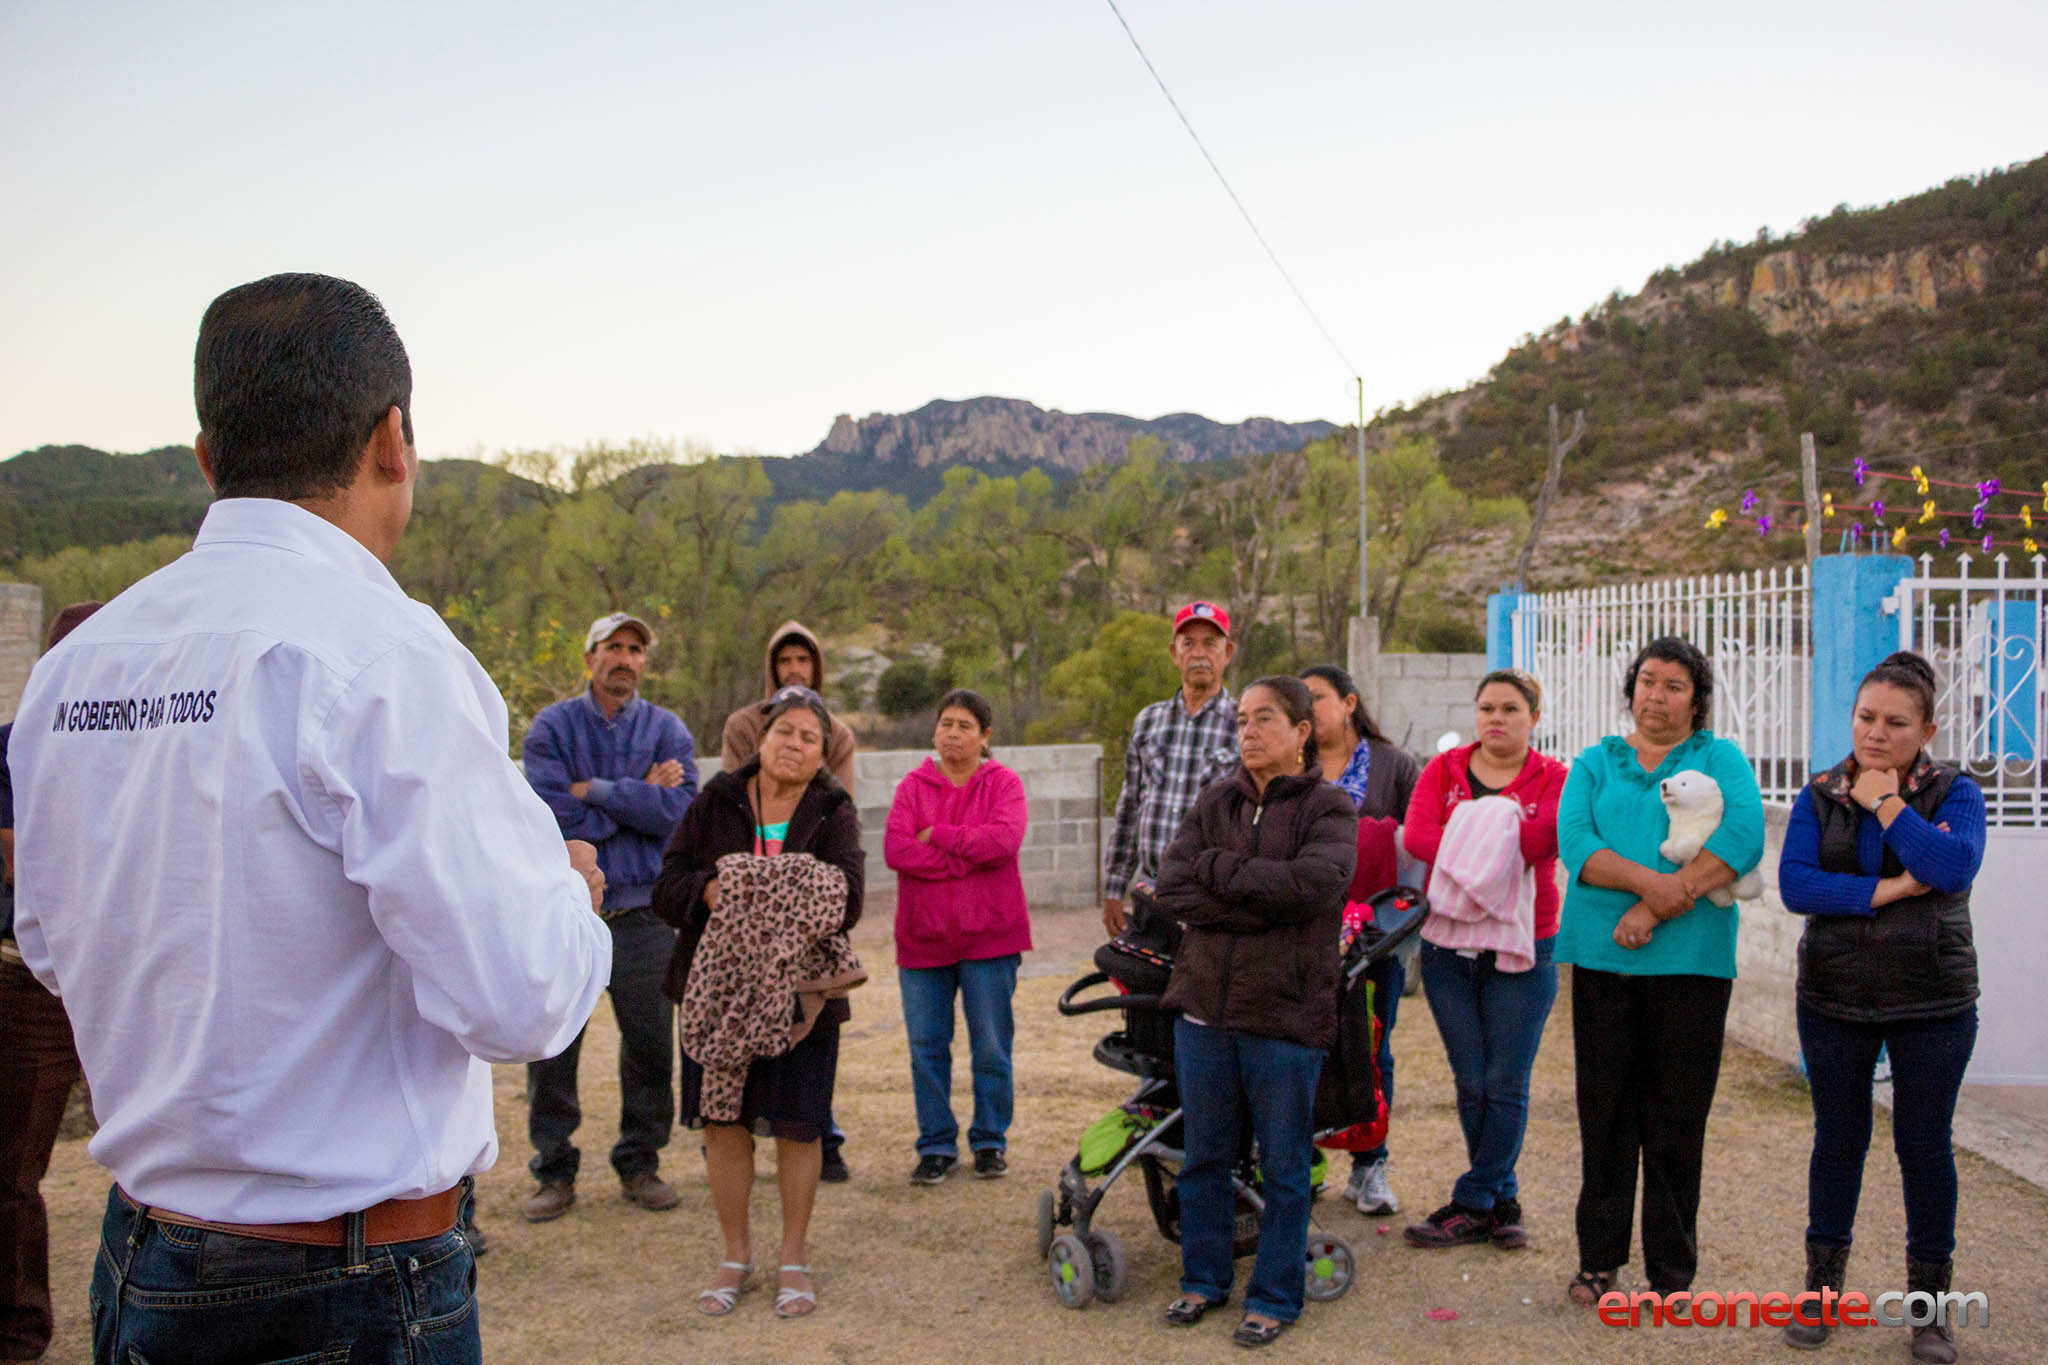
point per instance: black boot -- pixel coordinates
(1825, 1267)
(1936, 1341)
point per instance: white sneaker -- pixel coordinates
(1374, 1195)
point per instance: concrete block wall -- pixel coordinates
(1423, 695)
(1061, 859)
(21, 641)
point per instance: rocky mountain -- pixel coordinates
(1010, 430)
(1915, 332)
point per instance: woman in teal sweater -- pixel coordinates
(1653, 962)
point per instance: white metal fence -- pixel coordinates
(1984, 635)
(1755, 628)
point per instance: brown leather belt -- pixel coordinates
(394, 1220)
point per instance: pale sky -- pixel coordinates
(728, 223)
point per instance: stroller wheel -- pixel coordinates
(1112, 1272)
(1047, 1202)
(1331, 1267)
(1073, 1271)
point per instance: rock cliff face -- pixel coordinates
(992, 430)
(1792, 291)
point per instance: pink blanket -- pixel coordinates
(1482, 896)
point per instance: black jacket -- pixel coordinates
(721, 821)
(1912, 959)
(1260, 886)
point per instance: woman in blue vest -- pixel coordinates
(1879, 855)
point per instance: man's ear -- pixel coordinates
(205, 458)
(387, 448)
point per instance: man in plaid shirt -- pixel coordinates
(1178, 746)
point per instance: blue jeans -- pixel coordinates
(984, 986)
(1492, 1023)
(641, 948)
(1928, 1060)
(165, 1294)
(1220, 1072)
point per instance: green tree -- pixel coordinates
(1414, 512)
(1101, 688)
(987, 553)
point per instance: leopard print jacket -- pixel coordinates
(772, 953)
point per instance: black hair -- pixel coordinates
(291, 376)
(1298, 705)
(1908, 672)
(974, 704)
(1338, 679)
(1531, 690)
(1671, 649)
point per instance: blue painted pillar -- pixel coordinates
(1851, 636)
(2010, 668)
(1500, 628)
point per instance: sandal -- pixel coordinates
(719, 1300)
(1588, 1286)
(1187, 1310)
(786, 1299)
(1251, 1333)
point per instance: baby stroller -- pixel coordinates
(1088, 1262)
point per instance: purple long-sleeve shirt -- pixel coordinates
(1944, 861)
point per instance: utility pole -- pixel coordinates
(1363, 600)
(1809, 473)
(1558, 450)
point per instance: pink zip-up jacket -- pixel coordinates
(1482, 895)
(959, 897)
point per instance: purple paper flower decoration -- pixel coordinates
(1977, 516)
(1988, 489)
(1748, 501)
(1855, 531)
(1763, 524)
(1987, 544)
(1877, 511)
(1944, 537)
(1861, 467)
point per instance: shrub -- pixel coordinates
(1929, 384)
(907, 688)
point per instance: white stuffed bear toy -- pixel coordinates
(1693, 801)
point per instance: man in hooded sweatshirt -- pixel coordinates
(794, 659)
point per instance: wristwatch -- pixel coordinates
(1888, 796)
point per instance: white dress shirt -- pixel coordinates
(294, 895)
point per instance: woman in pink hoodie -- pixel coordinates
(1491, 1005)
(961, 928)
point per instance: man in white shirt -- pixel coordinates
(292, 892)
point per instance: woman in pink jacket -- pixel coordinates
(961, 928)
(1490, 1007)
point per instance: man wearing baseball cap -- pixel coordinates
(618, 771)
(1178, 746)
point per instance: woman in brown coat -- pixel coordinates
(1257, 875)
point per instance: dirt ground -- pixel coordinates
(952, 1272)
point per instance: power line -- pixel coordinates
(1271, 255)
(1895, 457)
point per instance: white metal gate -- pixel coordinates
(1984, 636)
(1756, 630)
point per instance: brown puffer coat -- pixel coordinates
(1259, 883)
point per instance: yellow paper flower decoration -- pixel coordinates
(1717, 518)
(1927, 512)
(1919, 481)
(1827, 505)
(1899, 538)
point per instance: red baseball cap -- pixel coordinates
(1202, 611)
